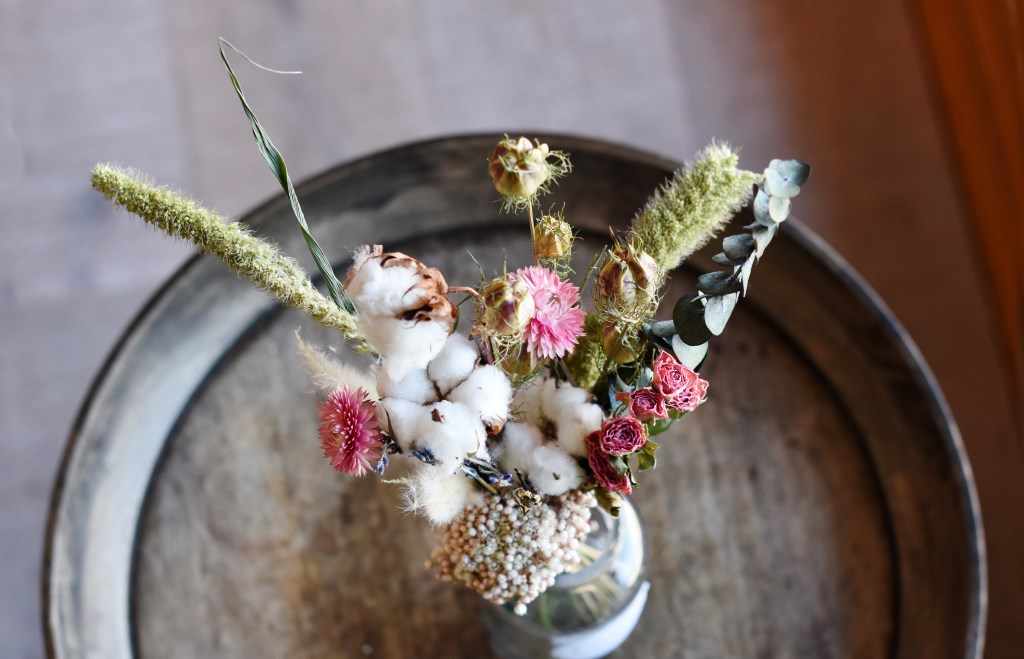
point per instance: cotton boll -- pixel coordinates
(438, 495)
(415, 386)
(453, 363)
(556, 472)
(526, 404)
(557, 397)
(573, 425)
(488, 392)
(516, 449)
(451, 432)
(402, 419)
(378, 291)
(404, 344)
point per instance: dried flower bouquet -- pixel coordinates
(510, 432)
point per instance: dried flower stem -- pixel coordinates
(249, 256)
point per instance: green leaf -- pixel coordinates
(784, 177)
(659, 427)
(689, 356)
(718, 310)
(688, 316)
(609, 501)
(739, 246)
(280, 170)
(645, 458)
(619, 463)
(718, 283)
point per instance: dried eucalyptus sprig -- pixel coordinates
(678, 219)
(249, 256)
(699, 316)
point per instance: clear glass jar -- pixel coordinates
(587, 613)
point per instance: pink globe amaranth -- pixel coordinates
(349, 432)
(644, 404)
(621, 435)
(671, 379)
(604, 473)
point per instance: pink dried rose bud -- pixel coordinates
(621, 435)
(671, 379)
(692, 397)
(518, 167)
(627, 279)
(507, 307)
(604, 473)
(644, 404)
(349, 432)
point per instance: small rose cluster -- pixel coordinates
(675, 390)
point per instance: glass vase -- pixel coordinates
(589, 612)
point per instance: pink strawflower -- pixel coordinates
(556, 324)
(349, 432)
(604, 473)
(644, 404)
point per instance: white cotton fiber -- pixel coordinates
(555, 471)
(559, 396)
(451, 431)
(573, 425)
(415, 386)
(403, 344)
(378, 291)
(401, 419)
(453, 363)
(439, 496)
(487, 392)
(516, 448)
(526, 403)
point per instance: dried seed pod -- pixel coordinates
(552, 237)
(627, 279)
(507, 307)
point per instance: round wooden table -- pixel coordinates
(820, 504)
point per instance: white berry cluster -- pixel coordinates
(510, 553)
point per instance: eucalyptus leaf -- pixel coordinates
(718, 283)
(663, 329)
(762, 236)
(277, 165)
(688, 317)
(783, 178)
(689, 356)
(718, 310)
(762, 215)
(739, 246)
(745, 272)
(778, 208)
(794, 171)
(722, 259)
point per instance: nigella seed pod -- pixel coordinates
(620, 344)
(553, 237)
(519, 168)
(507, 307)
(627, 278)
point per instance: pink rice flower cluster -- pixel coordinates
(681, 388)
(349, 432)
(557, 323)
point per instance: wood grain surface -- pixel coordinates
(840, 85)
(817, 506)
